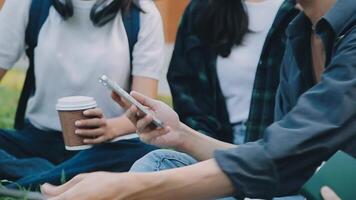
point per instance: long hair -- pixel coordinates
(126, 4)
(222, 24)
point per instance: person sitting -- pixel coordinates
(224, 72)
(77, 43)
(315, 117)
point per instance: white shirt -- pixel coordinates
(237, 72)
(72, 54)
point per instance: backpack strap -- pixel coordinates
(39, 12)
(131, 21)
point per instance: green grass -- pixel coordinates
(10, 88)
(10, 198)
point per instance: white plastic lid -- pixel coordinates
(75, 103)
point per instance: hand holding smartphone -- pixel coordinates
(106, 81)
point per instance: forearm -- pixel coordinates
(204, 180)
(200, 146)
(121, 126)
(2, 73)
(146, 86)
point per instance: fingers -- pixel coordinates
(329, 194)
(97, 140)
(116, 97)
(94, 113)
(146, 101)
(149, 137)
(51, 191)
(143, 125)
(90, 133)
(61, 197)
(90, 123)
(119, 100)
(131, 114)
(68, 195)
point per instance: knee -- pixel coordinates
(162, 160)
(149, 162)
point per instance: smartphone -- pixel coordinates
(106, 81)
(19, 194)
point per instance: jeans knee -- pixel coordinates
(163, 159)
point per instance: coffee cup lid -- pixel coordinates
(75, 103)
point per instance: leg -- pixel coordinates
(114, 157)
(239, 133)
(162, 160)
(28, 151)
(32, 142)
(12, 168)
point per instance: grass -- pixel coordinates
(11, 198)
(10, 88)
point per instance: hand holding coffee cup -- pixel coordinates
(70, 110)
(95, 129)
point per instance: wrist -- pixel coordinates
(111, 128)
(187, 136)
(143, 186)
(120, 126)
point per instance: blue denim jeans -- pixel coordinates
(239, 133)
(32, 157)
(167, 159)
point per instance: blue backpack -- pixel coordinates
(39, 12)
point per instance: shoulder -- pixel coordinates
(196, 6)
(287, 12)
(149, 9)
(15, 12)
(346, 44)
(18, 6)
(191, 13)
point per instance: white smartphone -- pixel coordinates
(106, 81)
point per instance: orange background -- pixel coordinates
(171, 11)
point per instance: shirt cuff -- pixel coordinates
(250, 169)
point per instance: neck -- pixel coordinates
(316, 9)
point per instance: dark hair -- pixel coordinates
(126, 4)
(222, 24)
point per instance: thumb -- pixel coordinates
(118, 99)
(51, 190)
(144, 100)
(328, 194)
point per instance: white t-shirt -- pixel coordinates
(237, 72)
(72, 54)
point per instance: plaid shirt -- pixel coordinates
(194, 83)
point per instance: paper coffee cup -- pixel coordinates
(70, 109)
